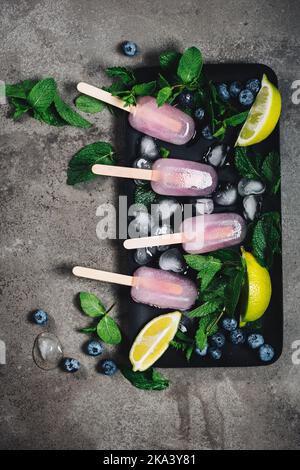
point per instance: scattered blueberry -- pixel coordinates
(129, 48)
(40, 317)
(223, 92)
(186, 98)
(255, 340)
(229, 324)
(266, 353)
(237, 336)
(108, 367)
(199, 114)
(235, 89)
(94, 348)
(253, 85)
(246, 97)
(218, 340)
(71, 365)
(215, 353)
(207, 133)
(203, 352)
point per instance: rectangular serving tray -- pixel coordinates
(137, 315)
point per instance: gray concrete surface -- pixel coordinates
(47, 226)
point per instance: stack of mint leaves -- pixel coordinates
(42, 101)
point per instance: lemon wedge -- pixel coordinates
(259, 290)
(263, 115)
(153, 340)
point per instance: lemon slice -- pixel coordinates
(259, 290)
(263, 115)
(153, 340)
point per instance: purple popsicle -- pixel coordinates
(164, 122)
(200, 234)
(163, 289)
(174, 177)
(212, 232)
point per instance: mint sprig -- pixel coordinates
(147, 380)
(41, 100)
(253, 165)
(107, 329)
(266, 238)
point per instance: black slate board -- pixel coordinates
(137, 315)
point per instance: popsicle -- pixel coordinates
(169, 176)
(150, 286)
(199, 234)
(165, 122)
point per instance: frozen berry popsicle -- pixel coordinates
(150, 286)
(165, 122)
(199, 234)
(169, 176)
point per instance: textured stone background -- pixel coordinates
(47, 226)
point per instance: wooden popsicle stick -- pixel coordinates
(104, 276)
(157, 240)
(123, 172)
(103, 95)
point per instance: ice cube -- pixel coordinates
(226, 196)
(172, 260)
(143, 256)
(248, 186)
(217, 154)
(47, 351)
(148, 148)
(144, 164)
(203, 206)
(250, 204)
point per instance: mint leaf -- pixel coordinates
(108, 330)
(228, 255)
(232, 121)
(266, 238)
(169, 59)
(233, 291)
(188, 353)
(144, 89)
(42, 94)
(124, 75)
(164, 153)
(271, 171)
(205, 309)
(19, 90)
(80, 165)
(190, 65)
(49, 116)
(91, 305)
(88, 330)
(88, 104)
(21, 107)
(162, 82)
(147, 380)
(207, 267)
(144, 196)
(69, 115)
(163, 95)
(247, 167)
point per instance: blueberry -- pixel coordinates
(237, 336)
(203, 352)
(129, 48)
(108, 367)
(40, 317)
(207, 133)
(218, 340)
(199, 114)
(215, 353)
(266, 353)
(71, 365)
(246, 97)
(94, 348)
(229, 324)
(253, 85)
(186, 98)
(223, 92)
(255, 340)
(235, 89)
